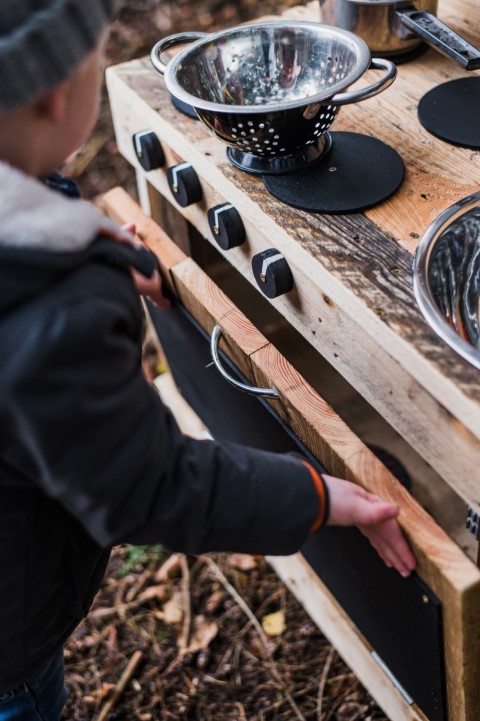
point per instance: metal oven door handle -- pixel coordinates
(251, 390)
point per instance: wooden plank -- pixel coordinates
(210, 306)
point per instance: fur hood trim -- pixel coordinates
(36, 217)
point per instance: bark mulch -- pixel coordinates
(209, 638)
(213, 638)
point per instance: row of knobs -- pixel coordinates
(270, 269)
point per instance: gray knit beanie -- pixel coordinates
(42, 42)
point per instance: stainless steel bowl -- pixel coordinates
(270, 90)
(446, 277)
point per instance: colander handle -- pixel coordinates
(355, 96)
(169, 42)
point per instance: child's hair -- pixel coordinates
(43, 41)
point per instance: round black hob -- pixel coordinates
(450, 112)
(184, 108)
(358, 173)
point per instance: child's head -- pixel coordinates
(50, 67)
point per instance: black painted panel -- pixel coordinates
(400, 618)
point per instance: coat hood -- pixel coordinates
(45, 234)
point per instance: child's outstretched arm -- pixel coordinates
(351, 505)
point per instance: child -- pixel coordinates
(89, 456)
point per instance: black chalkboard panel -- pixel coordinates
(400, 618)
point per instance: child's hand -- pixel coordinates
(351, 505)
(151, 287)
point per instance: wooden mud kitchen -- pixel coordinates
(311, 308)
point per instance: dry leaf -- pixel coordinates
(203, 632)
(172, 610)
(242, 561)
(274, 623)
(101, 693)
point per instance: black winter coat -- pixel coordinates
(90, 457)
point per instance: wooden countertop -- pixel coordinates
(355, 303)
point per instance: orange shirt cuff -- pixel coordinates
(322, 494)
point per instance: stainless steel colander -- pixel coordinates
(446, 275)
(270, 90)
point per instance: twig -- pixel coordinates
(121, 685)
(323, 682)
(184, 636)
(241, 711)
(137, 587)
(248, 612)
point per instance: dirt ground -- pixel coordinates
(213, 638)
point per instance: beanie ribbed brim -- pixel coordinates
(42, 42)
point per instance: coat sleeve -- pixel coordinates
(99, 440)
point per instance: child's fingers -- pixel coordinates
(380, 516)
(371, 511)
(389, 541)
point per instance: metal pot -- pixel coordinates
(446, 277)
(396, 27)
(270, 90)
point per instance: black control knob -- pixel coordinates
(226, 226)
(148, 150)
(184, 184)
(272, 273)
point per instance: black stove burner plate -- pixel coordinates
(359, 172)
(451, 111)
(184, 108)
